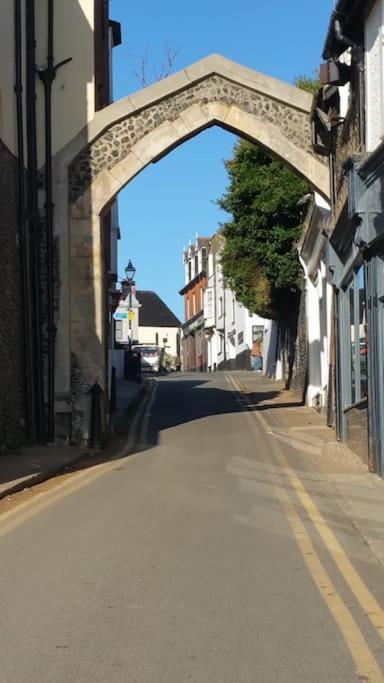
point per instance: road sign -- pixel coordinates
(120, 315)
(131, 315)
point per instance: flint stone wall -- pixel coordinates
(114, 144)
(12, 385)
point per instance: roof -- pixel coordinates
(348, 12)
(194, 248)
(154, 312)
(192, 282)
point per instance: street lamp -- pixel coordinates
(130, 272)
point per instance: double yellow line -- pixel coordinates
(45, 498)
(366, 664)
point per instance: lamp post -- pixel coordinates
(127, 285)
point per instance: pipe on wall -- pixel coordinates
(29, 358)
(49, 76)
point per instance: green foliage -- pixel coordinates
(311, 85)
(260, 257)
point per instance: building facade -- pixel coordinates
(236, 338)
(158, 324)
(194, 342)
(219, 332)
(348, 127)
(54, 76)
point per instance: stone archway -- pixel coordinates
(119, 143)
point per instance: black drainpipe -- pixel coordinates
(47, 76)
(33, 215)
(29, 359)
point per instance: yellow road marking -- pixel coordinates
(363, 657)
(13, 518)
(361, 592)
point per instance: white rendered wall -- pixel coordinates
(374, 75)
(7, 77)
(147, 335)
(73, 90)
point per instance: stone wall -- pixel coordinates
(114, 144)
(357, 430)
(300, 362)
(12, 386)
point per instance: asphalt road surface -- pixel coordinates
(210, 555)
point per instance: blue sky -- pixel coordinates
(169, 202)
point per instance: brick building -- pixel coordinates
(194, 343)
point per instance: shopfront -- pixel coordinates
(356, 261)
(353, 365)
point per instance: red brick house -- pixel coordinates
(194, 347)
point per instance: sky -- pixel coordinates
(163, 208)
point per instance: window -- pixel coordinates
(240, 338)
(233, 310)
(209, 303)
(221, 307)
(204, 257)
(357, 338)
(196, 264)
(257, 333)
(362, 322)
(189, 270)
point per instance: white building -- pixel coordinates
(232, 332)
(157, 324)
(319, 297)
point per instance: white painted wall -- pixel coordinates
(231, 328)
(374, 75)
(147, 335)
(7, 77)
(73, 91)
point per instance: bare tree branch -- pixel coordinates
(141, 65)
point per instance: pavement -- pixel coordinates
(213, 553)
(358, 493)
(29, 466)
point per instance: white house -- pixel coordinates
(319, 301)
(231, 330)
(157, 324)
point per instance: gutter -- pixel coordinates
(342, 18)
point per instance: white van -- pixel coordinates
(151, 356)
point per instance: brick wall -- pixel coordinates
(12, 399)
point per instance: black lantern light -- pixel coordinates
(130, 271)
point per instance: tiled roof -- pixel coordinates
(154, 312)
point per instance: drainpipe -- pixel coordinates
(33, 214)
(29, 373)
(47, 76)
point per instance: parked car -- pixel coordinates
(151, 357)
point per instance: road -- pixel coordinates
(210, 555)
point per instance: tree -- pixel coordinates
(141, 70)
(260, 257)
